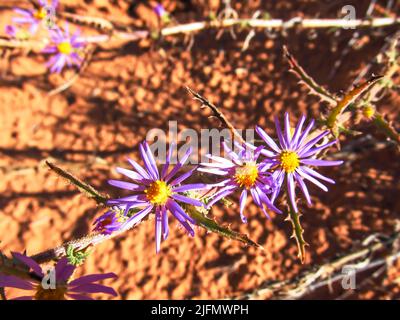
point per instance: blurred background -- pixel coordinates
(129, 88)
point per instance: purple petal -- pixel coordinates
(178, 165)
(129, 173)
(304, 134)
(312, 151)
(258, 202)
(139, 169)
(303, 187)
(28, 262)
(225, 191)
(174, 207)
(147, 164)
(51, 49)
(218, 172)
(92, 278)
(167, 160)
(287, 136)
(183, 177)
(15, 282)
(165, 228)
(263, 197)
(223, 163)
(193, 202)
(23, 12)
(150, 156)
(177, 212)
(320, 163)
(137, 217)
(54, 4)
(279, 134)
(158, 227)
(268, 154)
(278, 177)
(64, 270)
(315, 174)
(94, 288)
(187, 187)
(23, 298)
(305, 175)
(297, 132)
(76, 296)
(311, 143)
(291, 191)
(268, 140)
(126, 185)
(242, 202)
(230, 152)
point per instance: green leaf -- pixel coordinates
(77, 257)
(83, 187)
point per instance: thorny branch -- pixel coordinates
(370, 89)
(330, 272)
(303, 77)
(192, 27)
(218, 114)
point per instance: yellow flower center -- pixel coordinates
(246, 175)
(289, 161)
(40, 14)
(51, 294)
(158, 192)
(368, 112)
(65, 47)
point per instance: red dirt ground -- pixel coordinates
(128, 90)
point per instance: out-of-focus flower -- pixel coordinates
(242, 172)
(65, 49)
(294, 156)
(162, 13)
(110, 221)
(58, 287)
(35, 17)
(157, 191)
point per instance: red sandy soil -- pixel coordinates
(128, 90)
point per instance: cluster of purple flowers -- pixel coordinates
(64, 47)
(258, 171)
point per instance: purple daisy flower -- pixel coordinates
(294, 156)
(62, 288)
(158, 191)
(35, 17)
(244, 173)
(109, 222)
(65, 48)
